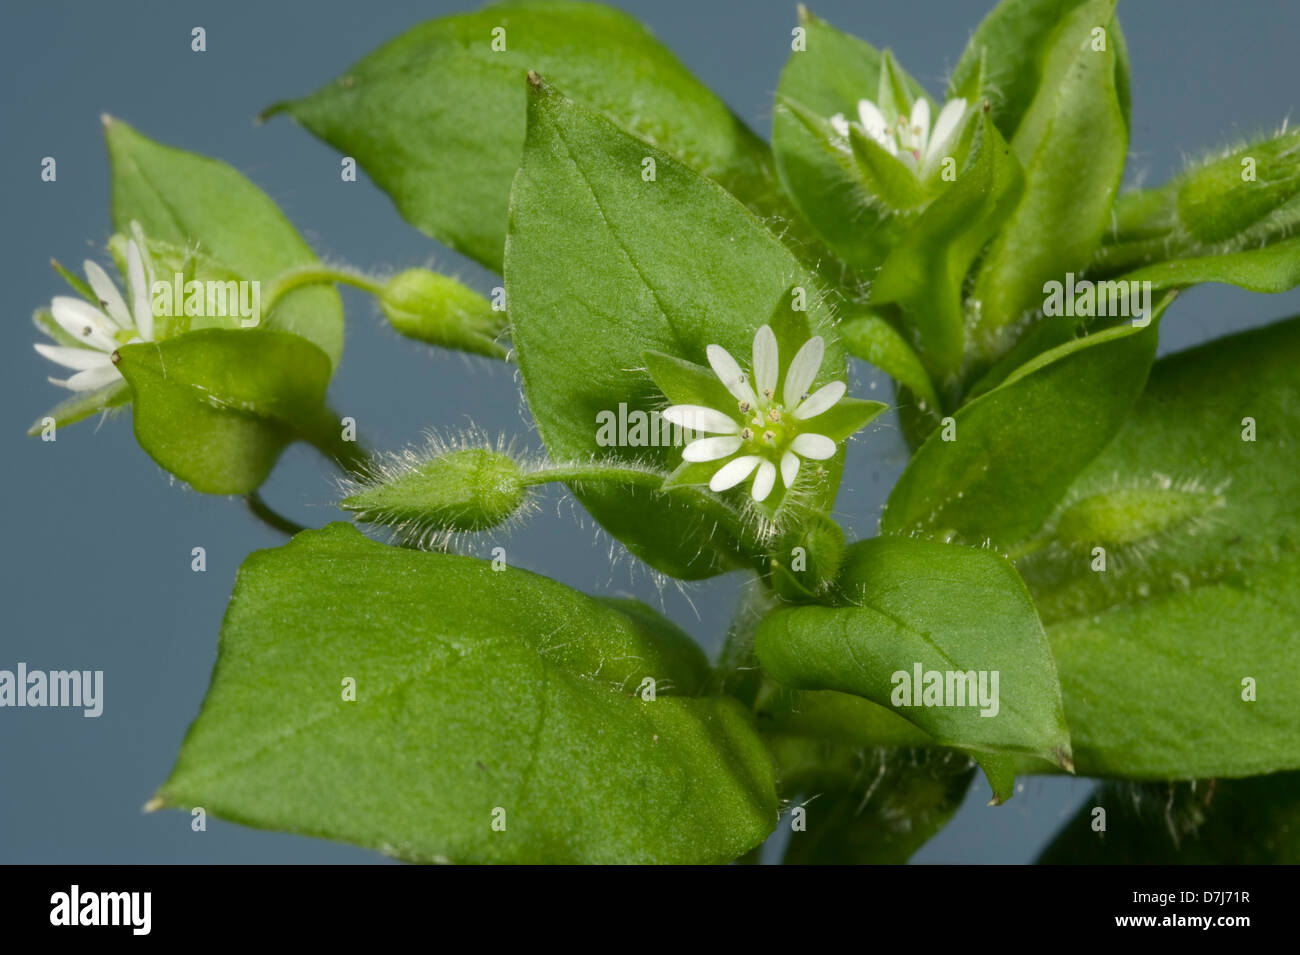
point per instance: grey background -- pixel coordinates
(96, 565)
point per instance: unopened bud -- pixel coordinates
(440, 311)
(471, 489)
(1222, 199)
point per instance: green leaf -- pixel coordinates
(848, 416)
(867, 807)
(889, 180)
(1272, 269)
(829, 76)
(686, 383)
(1220, 200)
(82, 405)
(188, 200)
(499, 690)
(603, 267)
(436, 116)
(842, 720)
(216, 407)
(871, 338)
(1240, 202)
(1016, 449)
(1071, 142)
(1004, 60)
(925, 272)
(1252, 821)
(934, 608)
(1201, 532)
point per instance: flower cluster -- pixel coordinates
(94, 333)
(909, 139)
(769, 428)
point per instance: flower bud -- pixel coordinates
(440, 311)
(1127, 515)
(809, 558)
(1222, 199)
(469, 489)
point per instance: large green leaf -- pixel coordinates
(829, 76)
(493, 691)
(216, 407)
(1071, 141)
(914, 608)
(436, 116)
(1201, 531)
(1253, 821)
(1015, 449)
(191, 201)
(603, 267)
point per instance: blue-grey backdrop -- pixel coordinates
(96, 568)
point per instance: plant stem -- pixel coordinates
(264, 513)
(595, 472)
(293, 279)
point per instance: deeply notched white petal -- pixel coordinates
(820, 400)
(83, 322)
(730, 374)
(78, 359)
(700, 418)
(840, 125)
(789, 468)
(803, 369)
(733, 472)
(815, 447)
(711, 449)
(763, 480)
(91, 378)
(920, 120)
(872, 119)
(945, 126)
(138, 282)
(109, 297)
(766, 361)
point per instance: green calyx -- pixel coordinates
(440, 311)
(471, 489)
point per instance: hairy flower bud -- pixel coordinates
(468, 489)
(1221, 199)
(440, 311)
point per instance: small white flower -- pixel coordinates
(909, 138)
(101, 331)
(768, 428)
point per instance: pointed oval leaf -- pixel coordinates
(916, 610)
(437, 115)
(505, 720)
(216, 407)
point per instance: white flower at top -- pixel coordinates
(769, 429)
(100, 331)
(909, 138)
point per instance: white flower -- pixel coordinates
(768, 429)
(101, 331)
(909, 138)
